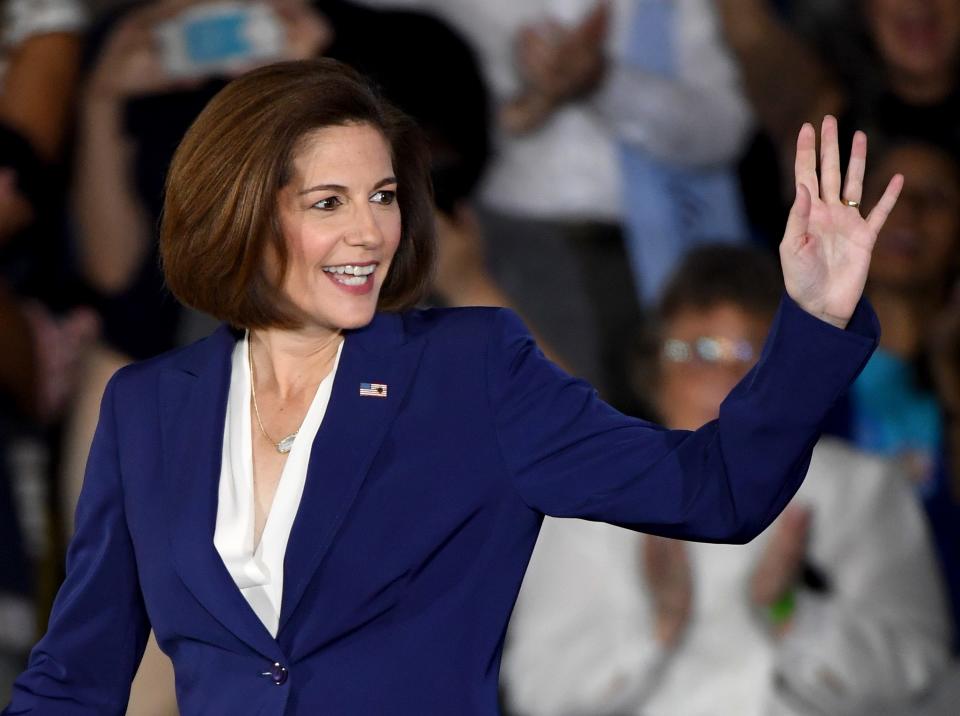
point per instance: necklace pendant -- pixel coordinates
(286, 445)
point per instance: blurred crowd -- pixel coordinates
(618, 172)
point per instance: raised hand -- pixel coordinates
(826, 248)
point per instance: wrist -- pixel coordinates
(99, 97)
(840, 323)
(101, 111)
(821, 315)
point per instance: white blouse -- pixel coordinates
(258, 572)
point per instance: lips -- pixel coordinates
(355, 278)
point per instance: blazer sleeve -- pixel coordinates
(98, 628)
(569, 454)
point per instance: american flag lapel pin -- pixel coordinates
(374, 390)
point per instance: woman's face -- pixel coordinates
(704, 354)
(918, 246)
(917, 37)
(341, 223)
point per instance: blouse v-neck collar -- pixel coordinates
(258, 573)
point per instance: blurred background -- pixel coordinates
(619, 173)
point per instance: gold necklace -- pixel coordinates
(286, 444)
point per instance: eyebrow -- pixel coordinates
(339, 187)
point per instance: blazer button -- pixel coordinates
(278, 674)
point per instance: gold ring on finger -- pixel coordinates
(851, 203)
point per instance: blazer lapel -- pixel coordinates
(345, 445)
(193, 401)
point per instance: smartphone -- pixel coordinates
(219, 37)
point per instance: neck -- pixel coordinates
(287, 362)
(904, 316)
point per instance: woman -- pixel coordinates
(378, 573)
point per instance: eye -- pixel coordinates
(328, 204)
(384, 197)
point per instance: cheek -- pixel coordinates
(310, 244)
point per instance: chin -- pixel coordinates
(346, 320)
(356, 322)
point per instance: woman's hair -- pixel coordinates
(220, 211)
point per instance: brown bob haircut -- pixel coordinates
(220, 202)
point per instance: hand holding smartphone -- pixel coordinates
(220, 37)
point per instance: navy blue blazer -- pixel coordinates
(419, 514)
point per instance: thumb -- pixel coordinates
(799, 217)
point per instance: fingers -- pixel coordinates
(593, 28)
(827, 187)
(799, 214)
(805, 168)
(853, 184)
(829, 161)
(878, 216)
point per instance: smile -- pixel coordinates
(350, 274)
(353, 278)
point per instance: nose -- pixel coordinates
(365, 230)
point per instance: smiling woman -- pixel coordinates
(328, 505)
(327, 220)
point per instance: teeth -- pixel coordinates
(353, 280)
(351, 270)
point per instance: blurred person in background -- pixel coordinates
(837, 608)
(615, 122)
(41, 44)
(888, 67)
(41, 331)
(895, 407)
(906, 403)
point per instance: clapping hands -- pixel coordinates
(556, 64)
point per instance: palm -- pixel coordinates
(827, 244)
